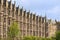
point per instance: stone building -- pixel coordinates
(52, 28)
(29, 24)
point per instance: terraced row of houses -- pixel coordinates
(29, 24)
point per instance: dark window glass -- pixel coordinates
(30, 32)
(27, 14)
(27, 26)
(30, 26)
(46, 34)
(33, 33)
(39, 19)
(34, 17)
(24, 13)
(36, 27)
(4, 28)
(20, 25)
(36, 33)
(30, 18)
(12, 14)
(4, 36)
(8, 12)
(0, 1)
(0, 18)
(4, 2)
(9, 4)
(39, 33)
(8, 21)
(23, 32)
(4, 19)
(16, 11)
(42, 20)
(20, 12)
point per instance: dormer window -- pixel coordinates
(20, 12)
(39, 19)
(43, 20)
(27, 14)
(9, 5)
(33, 17)
(24, 13)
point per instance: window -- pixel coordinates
(23, 32)
(16, 17)
(39, 27)
(42, 33)
(20, 25)
(30, 32)
(36, 33)
(9, 4)
(43, 29)
(34, 17)
(27, 15)
(30, 18)
(27, 32)
(43, 20)
(24, 13)
(0, 1)
(16, 11)
(0, 35)
(46, 34)
(27, 20)
(0, 30)
(33, 33)
(36, 27)
(4, 36)
(4, 2)
(39, 19)
(8, 12)
(46, 28)
(4, 28)
(8, 21)
(20, 17)
(20, 12)
(39, 33)
(28, 26)
(4, 19)
(24, 16)
(24, 26)
(0, 18)
(12, 10)
(12, 14)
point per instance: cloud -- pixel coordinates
(51, 7)
(54, 13)
(54, 10)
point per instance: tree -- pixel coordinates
(58, 35)
(27, 38)
(13, 30)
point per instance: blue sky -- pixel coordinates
(41, 7)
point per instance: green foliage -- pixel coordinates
(35, 38)
(27, 38)
(13, 30)
(58, 35)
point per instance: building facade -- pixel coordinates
(52, 28)
(29, 24)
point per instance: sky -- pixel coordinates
(50, 8)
